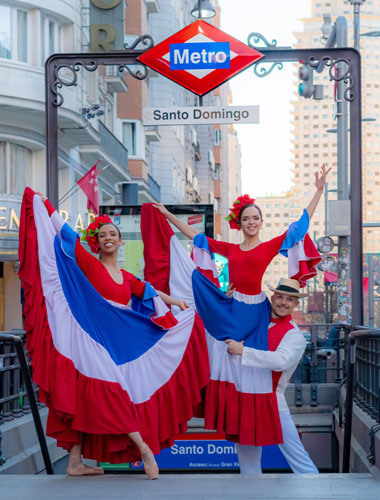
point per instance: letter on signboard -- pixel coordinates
(102, 36)
(105, 5)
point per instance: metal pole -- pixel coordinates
(342, 160)
(342, 114)
(356, 195)
(349, 404)
(357, 4)
(51, 117)
(326, 204)
(371, 310)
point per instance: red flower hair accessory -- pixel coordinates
(239, 204)
(90, 233)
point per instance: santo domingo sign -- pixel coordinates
(206, 115)
(200, 57)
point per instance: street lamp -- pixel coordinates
(203, 10)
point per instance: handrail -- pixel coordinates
(17, 341)
(352, 338)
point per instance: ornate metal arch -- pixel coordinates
(61, 70)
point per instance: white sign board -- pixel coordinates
(207, 115)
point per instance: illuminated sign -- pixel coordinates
(200, 57)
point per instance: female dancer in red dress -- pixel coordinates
(239, 400)
(102, 368)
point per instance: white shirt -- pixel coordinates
(284, 359)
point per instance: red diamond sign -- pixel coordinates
(200, 57)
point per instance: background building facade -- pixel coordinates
(100, 119)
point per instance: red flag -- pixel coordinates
(89, 185)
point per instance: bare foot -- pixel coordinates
(80, 469)
(150, 464)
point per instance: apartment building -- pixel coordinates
(314, 140)
(313, 125)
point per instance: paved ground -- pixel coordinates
(194, 486)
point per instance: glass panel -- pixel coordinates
(51, 38)
(22, 36)
(59, 39)
(20, 169)
(42, 36)
(5, 32)
(3, 168)
(129, 137)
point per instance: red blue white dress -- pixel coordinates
(104, 370)
(239, 400)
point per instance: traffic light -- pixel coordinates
(306, 87)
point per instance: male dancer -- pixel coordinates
(286, 347)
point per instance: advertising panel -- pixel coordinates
(204, 451)
(127, 219)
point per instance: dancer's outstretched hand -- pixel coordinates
(320, 177)
(161, 208)
(42, 196)
(182, 305)
(235, 347)
(230, 290)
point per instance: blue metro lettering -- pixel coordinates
(205, 55)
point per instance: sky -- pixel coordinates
(266, 157)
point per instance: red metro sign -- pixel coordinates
(200, 57)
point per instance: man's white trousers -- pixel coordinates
(292, 449)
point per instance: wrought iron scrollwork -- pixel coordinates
(334, 74)
(66, 74)
(260, 70)
(145, 40)
(254, 38)
(138, 71)
(68, 80)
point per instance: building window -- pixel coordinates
(5, 32)
(15, 168)
(50, 34)
(22, 36)
(129, 137)
(217, 136)
(13, 34)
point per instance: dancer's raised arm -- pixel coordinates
(320, 181)
(185, 229)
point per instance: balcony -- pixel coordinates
(154, 188)
(113, 146)
(112, 151)
(152, 6)
(152, 134)
(114, 80)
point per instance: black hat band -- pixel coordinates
(284, 288)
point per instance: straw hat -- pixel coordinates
(288, 287)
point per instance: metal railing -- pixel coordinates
(113, 146)
(14, 401)
(363, 381)
(333, 354)
(154, 188)
(17, 392)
